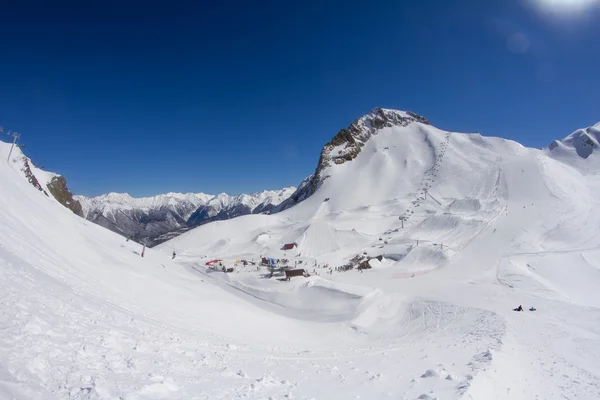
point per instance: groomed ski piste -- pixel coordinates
(488, 225)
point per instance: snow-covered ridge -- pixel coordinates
(51, 184)
(347, 145)
(583, 142)
(160, 217)
(223, 206)
(125, 201)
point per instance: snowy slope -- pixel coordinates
(164, 216)
(488, 224)
(83, 316)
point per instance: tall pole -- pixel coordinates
(15, 136)
(144, 242)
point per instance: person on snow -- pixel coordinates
(173, 255)
(532, 308)
(518, 308)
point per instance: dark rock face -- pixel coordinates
(205, 214)
(347, 145)
(58, 188)
(31, 177)
(304, 191)
(139, 224)
(264, 209)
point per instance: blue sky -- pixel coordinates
(240, 96)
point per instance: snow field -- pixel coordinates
(500, 225)
(83, 316)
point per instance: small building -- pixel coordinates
(289, 246)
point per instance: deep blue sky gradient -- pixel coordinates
(240, 96)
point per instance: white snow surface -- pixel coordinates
(489, 225)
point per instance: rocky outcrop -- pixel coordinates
(58, 188)
(347, 145)
(57, 185)
(31, 177)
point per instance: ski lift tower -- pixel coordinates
(402, 218)
(16, 137)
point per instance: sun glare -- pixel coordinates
(565, 6)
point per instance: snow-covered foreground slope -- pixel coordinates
(489, 225)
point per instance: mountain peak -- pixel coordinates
(116, 197)
(582, 142)
(346, 145)
(379, 118)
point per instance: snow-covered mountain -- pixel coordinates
(165, 216)
(347, 145)
(449, 223)
(223, 206)
(457, 229)
(142, 218)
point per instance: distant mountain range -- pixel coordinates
(165, 216)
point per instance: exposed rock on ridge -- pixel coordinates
(58, 188)
(347, 145)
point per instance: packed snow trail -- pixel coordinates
(428, 180)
